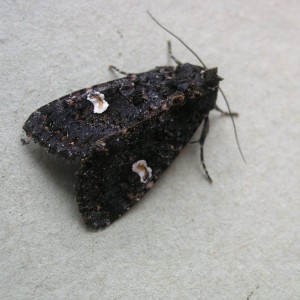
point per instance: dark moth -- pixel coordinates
(125, 132)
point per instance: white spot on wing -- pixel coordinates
(140, 167)
(98, 100)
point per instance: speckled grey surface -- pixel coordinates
(187, 239)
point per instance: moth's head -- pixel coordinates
(189, 70)
(211, 78)
(197, 80)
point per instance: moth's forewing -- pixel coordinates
(69, 127)
(108, 183)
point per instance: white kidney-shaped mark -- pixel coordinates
(98, 100)
(140, 167)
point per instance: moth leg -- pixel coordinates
(171, 54)
(203, 136)
(224, 113)
(204, 133)
(113, 68)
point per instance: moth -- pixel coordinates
(126, 133)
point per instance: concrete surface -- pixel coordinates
(187, 239)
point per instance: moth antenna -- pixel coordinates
(205, 67)
(179, 39)
(234, 127)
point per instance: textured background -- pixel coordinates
(187, 239)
